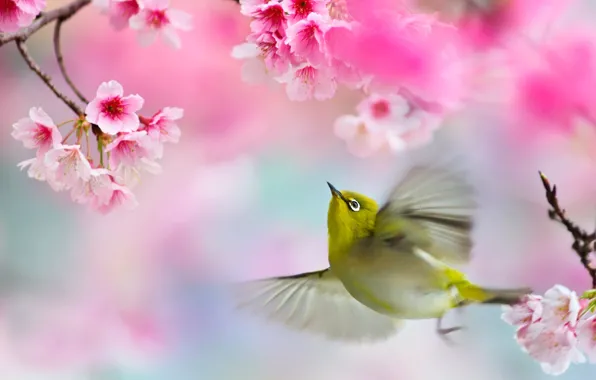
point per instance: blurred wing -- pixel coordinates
(316, 302)
(435, 207)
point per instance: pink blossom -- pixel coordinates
(555, 349)
(113, 112)
(129, 148)
(361, 138)
(254, 70)
(157, 18)
(13, 16)
(275, 52)
(300, 9)
(247, 7)
(69, 164)
(305, 82)
(121, 11)
(162, 126)
(346, 74)
(387, 122)
(586, 333)
(31, 6)
(560, 306)
(338, 9)
(97, 189)
(528, 311)
(40, 171)
(38, 131)
(548, 328)
(269, 17)
(120, 196)
(307, 37)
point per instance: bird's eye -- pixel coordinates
(354, 205)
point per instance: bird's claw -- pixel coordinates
(444, 332)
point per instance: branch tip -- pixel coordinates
(583, 243)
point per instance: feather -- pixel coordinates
(432, 208)
(316, 302)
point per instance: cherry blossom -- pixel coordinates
(37, 169)
(301, 9)
(156, 18)
(524, 313)
(306, 38)
(31, 6)
(556, 329)
(247, 7)
(386, 122)
(120, 196)
(554, 348)
(275, 52)
(362, 138)
(561, 306)
(162, 128)
(254, 70)
(96, 188)
(269, 17)
(586, 332)
(113, 112)
(38, 131)
(120, 11)
(129, 148)
(306, 82)
(15, 14)
(69, 164)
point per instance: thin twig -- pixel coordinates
(45, 18)
(60, 59)
(583, 242)
(46, 78)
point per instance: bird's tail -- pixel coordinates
(472, 293)
(475, 294)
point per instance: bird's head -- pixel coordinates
(350, 214)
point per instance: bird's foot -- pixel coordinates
(444, 332)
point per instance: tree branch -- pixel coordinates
(46, 78)
(583, 242)
(60, 59)
(45, 18)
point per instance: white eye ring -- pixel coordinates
(354, 205)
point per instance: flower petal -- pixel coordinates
(109, 89)
(180, 19)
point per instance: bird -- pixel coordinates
(387, 264)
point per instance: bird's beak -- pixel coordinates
(336, 193)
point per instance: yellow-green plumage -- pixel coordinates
(387, 264)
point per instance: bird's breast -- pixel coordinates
(396, 293)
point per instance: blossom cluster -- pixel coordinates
(391, 123)
(556, 329)
(299, 43)
(127, 144)
(150, 18)
(16, 14)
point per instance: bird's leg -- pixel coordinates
(443, 332)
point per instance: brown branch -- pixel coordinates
(60, 59)
(583, 242)
(46, 78)
(45, 18)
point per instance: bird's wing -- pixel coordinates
(432, 208)
(316, 302)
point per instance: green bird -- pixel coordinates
(386, 264)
